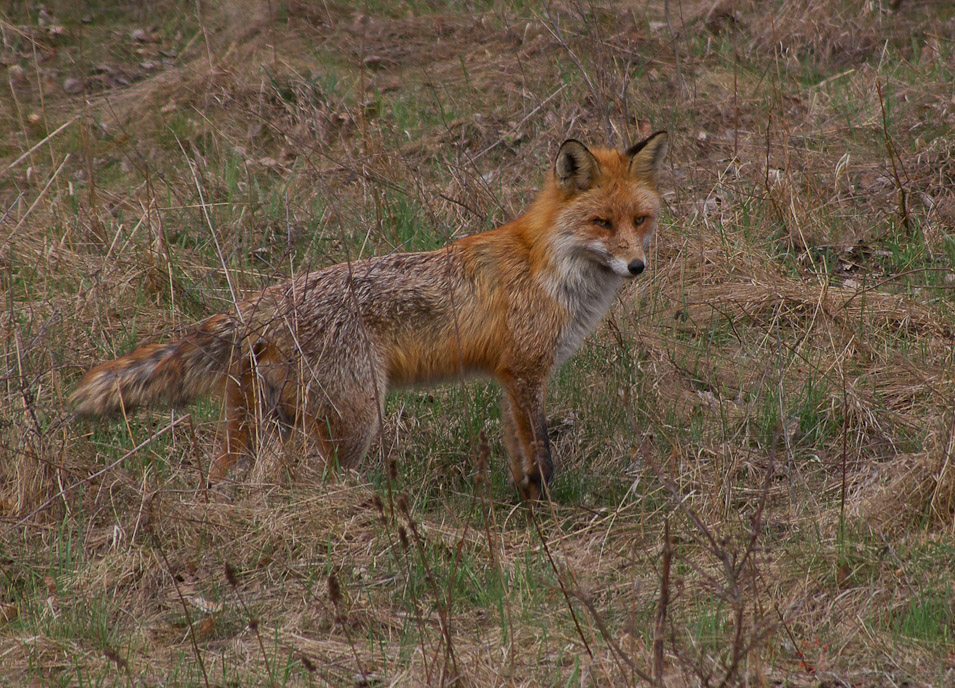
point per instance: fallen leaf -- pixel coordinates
(204, 605)
(73, 86)
(8, 612)
(207, 627)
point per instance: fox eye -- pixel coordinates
(603, 223)
(639, 220)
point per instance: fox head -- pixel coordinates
(609, 205)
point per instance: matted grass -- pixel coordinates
(755, 481)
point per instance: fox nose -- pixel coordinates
(636, 266)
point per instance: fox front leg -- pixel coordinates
(525, 436)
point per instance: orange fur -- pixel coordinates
(318, 353)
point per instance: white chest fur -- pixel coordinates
(586, 291)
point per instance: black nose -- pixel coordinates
(636, 267)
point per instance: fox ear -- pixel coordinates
(576, 169)
(646, 157)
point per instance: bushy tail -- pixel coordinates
(171, 374)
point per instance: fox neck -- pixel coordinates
(583, 288)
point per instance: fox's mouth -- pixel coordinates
(600, 255)
(610, 264)
(619, 267)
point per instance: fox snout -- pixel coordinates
(631, 263)
(623, 265)
(634, 265)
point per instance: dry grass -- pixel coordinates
(756, 482)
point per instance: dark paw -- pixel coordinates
(531, 487)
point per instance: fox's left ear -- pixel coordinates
(646, 157)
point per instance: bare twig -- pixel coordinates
(45, 139)
(232, 577)
(553, 26)
(156, 435)
(37, 199)
(662, 605)
(185, 608)
(444, 613)
(676, 53)
(893, 156)
(341, 619)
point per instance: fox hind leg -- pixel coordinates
(344, 425)
(256, 416)
(330, 409)
(236, 444)
(340, 442)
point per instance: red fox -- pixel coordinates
(319, 352)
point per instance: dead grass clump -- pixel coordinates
(760, 299)
(914, 489)
(28, 480)
(832, 35)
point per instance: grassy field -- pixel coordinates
(755, 450)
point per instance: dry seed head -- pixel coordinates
(307, 663)
(148, 521)
(392, 467)
(334, 591)
(380, 506)
(484, 451)
(231, 576)
(113, 656)
(405, 509)
(403, 536)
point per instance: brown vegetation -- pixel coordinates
(756, 482)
